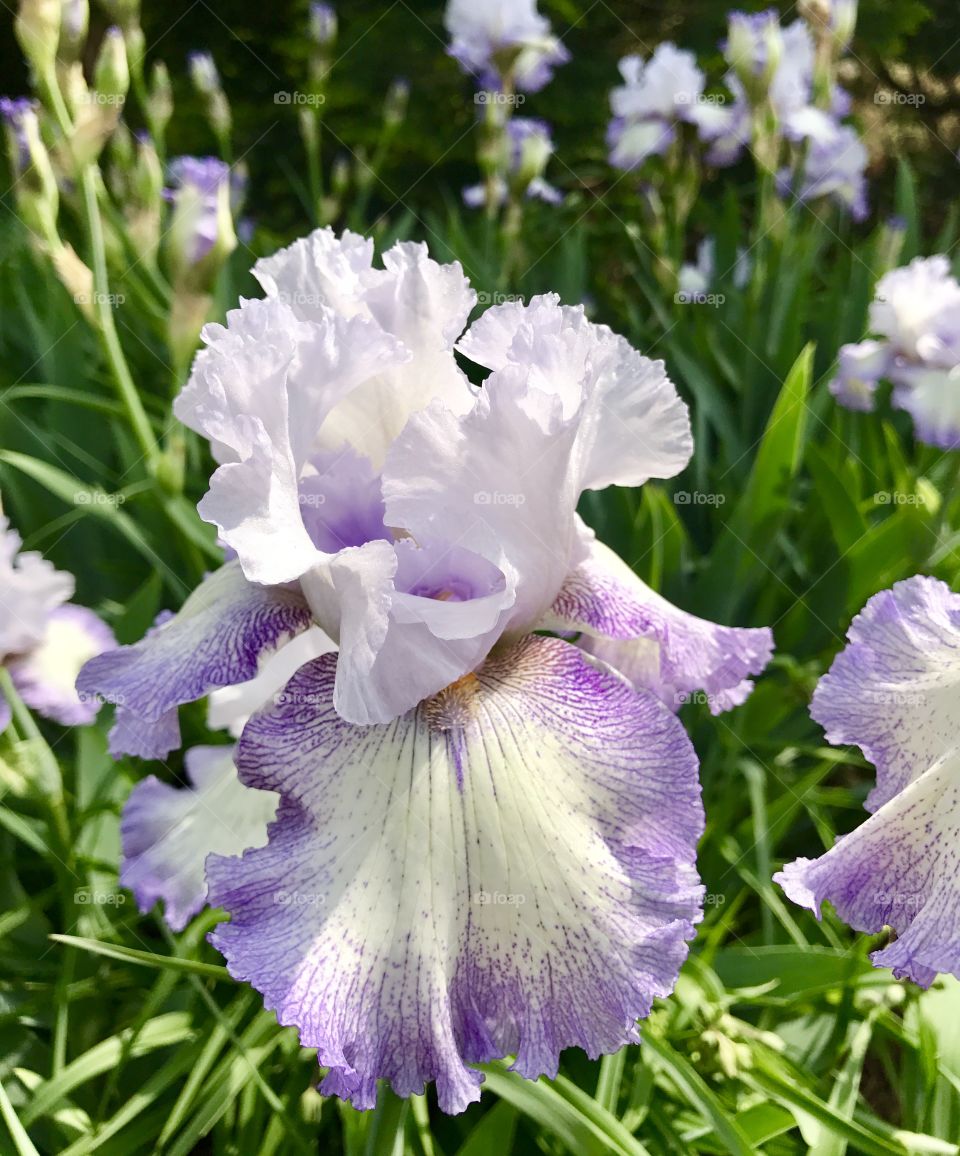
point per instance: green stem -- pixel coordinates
(53, 795)
(126, 388)
(385, 1137)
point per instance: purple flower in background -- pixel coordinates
(774, 66)
(323, 24)
(15, 111)
(465, 805)
(45, 640)
(859, 370)
(916, 317)
(893, 691)
(530, 147)
(833, 166)
(201, 186)
(500, 38)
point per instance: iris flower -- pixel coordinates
(892, 692)
(503, 38)
(44, 639)
(485, 837)
(915, 315)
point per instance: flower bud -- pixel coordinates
(323, 35)
(323, 25)
(160, 99)
(843, 21)
(74, 23)
(753, 50)
(203, 73)
(37, 29)
(395, 105)
(136, 47)
(38, 198)
(111, 74)
(144, 211)
(201, 234)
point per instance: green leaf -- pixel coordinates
(145, 958)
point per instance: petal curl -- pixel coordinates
(894, 690)
(653, 643)
(219, 637)
(168, 832)
(632, 424)
(262, 390)
(901, 868)
(509, 869)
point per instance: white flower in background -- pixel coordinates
(915, 316)
(498, 39)
(656, 95)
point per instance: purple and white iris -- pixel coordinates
(656, 95)
(44, 639)
(503, 42)
(893, 691)
(200, 196)
(529, 147)
(773, 66)
(485, 838)
(915, 315)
